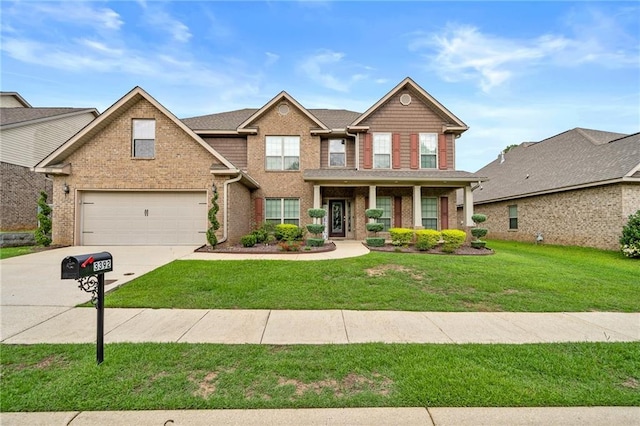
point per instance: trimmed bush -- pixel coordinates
(375, 241)
(290, 245)
(374, 213)
(315, 228)
(42, 235)
(288, 232)
(478, 233)
(478, 218)
(427, 239)
(212, 239)
(248, 240)
(630, 239)
(453, 239)
(400, 237)
(317, 213)
(315, 242)
(375, 227)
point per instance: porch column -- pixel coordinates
(467, 207)
(372, 200)
(316, 200)
(417, 207)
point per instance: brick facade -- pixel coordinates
(590, 217)
(19, 197)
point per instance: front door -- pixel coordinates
(337, 226)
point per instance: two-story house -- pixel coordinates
(139, 175)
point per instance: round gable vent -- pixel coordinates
(283, 109)
(405, 99)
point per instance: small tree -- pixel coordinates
(213, 219)
(478, 233)
(630, 239)
(374, 227)
(42, 235)
(316, 228)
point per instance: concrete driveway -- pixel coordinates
(31, 290)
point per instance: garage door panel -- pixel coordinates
(144, 218)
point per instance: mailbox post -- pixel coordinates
(89, 270)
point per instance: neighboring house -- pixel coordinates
(575, 188)
(139, 175)
(27, 135)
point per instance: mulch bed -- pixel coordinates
(465, 250)
(265, 249)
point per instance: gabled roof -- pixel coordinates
(107, 117)
(279, 98)
(573, 159)
(15, 117)
(17, 97)
(456, 124)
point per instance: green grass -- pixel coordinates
(519, 277)
(188, 376)
(6, 252)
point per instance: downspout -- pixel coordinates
(356, 138)
(225, 209)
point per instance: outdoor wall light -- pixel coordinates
(214, 188)
(65, 188)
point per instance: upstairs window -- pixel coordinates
(337, 153)
(429, 212)
(282, 153)
(282, 210)
(384, 203)
(513, 217)
(382, 150)
(144, 138)
(428, 150)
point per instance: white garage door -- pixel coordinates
(143, 218)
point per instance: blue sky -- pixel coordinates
(513, 71)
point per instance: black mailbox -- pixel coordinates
(84, 265)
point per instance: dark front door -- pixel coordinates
(337, 218)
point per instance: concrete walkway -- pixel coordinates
(281, 327)
(560, 416)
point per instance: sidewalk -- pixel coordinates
(283, 327)
(565, 416)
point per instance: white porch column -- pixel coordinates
(417, 207)
(316, 201)
(467, 207)
(372, 200)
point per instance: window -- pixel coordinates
(428, 150)
(384, 203)
(513, 217)
(282, 210)
(144, 135)
(337, 153)
(283, 152)
(429, 212)
(382, 150)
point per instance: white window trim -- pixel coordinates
(373, 149)
(513, 217)
(134, 138)
(282, 155)
(421, 153)
(390, 209)
(344, 144)
(282, 217)
(426, 217)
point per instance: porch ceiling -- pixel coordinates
(447, 178)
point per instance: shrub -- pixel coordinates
(400, 237)
(317, 213)
(288, 232)
(375, 227)
(375, 241)
(630, 239)
(288, 245)
(315, 228)
(42, 235)
(213, 219)
(315, 242)
(478, 218)
(427, 239)
(248, 240)
(453, 239)
(478, 233)
(374, 213)
(264, 233)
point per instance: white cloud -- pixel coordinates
(162, 20)
(272, 58)
(78, 13)
(325, 67)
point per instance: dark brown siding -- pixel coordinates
(233, 149)
(350, 148)
(417, 117)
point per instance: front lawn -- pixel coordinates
(6, 252)
(199, 376)
(520, 277)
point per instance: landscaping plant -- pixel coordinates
(316, 228)
(427, 239)
(630, 240)
(478, 233)
(453, 239)
(213, 219)
(42, 235)
(401, 237)
(374, 227)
